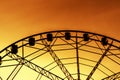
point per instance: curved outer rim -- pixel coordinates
(59, 31)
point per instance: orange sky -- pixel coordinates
(20, 18)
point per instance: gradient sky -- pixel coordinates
(21, 18)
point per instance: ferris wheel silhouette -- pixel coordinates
(61, 55)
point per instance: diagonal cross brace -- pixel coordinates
(15, 72)
(112, 77)
(35, 67)
(1, 78)
(60, 64)
(100, 60)
(57, 60)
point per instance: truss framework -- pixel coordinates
(34, 67)
(115, 76)
(57, 60)
(99, 61)
(76, 42)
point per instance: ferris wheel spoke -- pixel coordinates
(28, 50)
(77, 58)
(57, 60)
(1, 78)
(114, 76)
(15, 72)
(60, 64)
(35, 67)
(99, 61)
(39, 77)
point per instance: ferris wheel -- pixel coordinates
(61, 55)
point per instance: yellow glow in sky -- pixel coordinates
(20, 18)
(25, 17)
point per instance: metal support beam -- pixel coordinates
(100, 60)
(35, 67)
(1, 78)
(77, 55)
(57, 60)
(115, 76)
(14, 72)
(39, 77)
(60, 64)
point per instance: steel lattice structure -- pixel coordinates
(61, 55)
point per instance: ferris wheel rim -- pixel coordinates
(59, 31)
(63, 31)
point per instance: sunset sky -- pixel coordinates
(21, 18)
